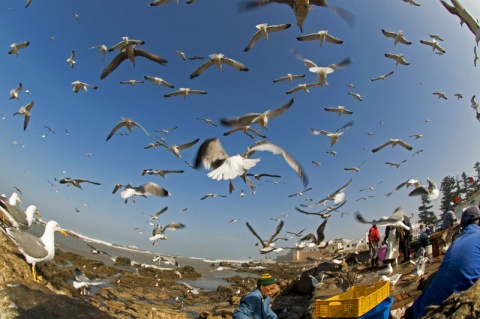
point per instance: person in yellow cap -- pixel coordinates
(256, 305)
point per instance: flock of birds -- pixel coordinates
(210, 153)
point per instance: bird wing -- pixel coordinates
(309, 37)
(28, 243)
(152, 189)
(122, 56)
(163, 210)
(252, 41)
(202, 68)
(150, 56)
(264, 145)
(305, 212)
(174, 226)
(381, 146)
(320, 232)
(119, 125)
(244, 120)
(237, 65)
(277, 231)
(331, 39)
(187, 145)
(280, 110)
(211, 154)
(405, 145)
(256, 235)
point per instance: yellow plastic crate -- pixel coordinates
(354, 303)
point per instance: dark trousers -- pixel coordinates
(405, 248)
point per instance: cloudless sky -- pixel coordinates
(403, 102)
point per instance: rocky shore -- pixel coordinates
(153, 293)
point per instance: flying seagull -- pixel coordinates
(397, 165)
(434, 44)
(129, 52)
(333, 136)
(14, 47)
(396, 219)
(320, 36)
(160, 172)
(398, 58)
(339, 109)
(184, 92)
(431, 191)
(393, 142)
(337, 196)
(218, 59)
(129, 124)
(465, 17)
(267, 245)
(176, 149)
(158, 81)
(102, 49)
(382, 77)
(149, 188)
(77, 86)
(76, 182)
(71, 59)
(14, 92)
(158, 232)
(317, 240)
(25, 112)
(289, 77)
(260, 118)
(263, 31)
(300, 9)
(397, 37)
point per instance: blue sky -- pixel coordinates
(403, 102)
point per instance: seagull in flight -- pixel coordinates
(184, 92)
(25, 112)
(267, 245)
(333, 136)
(397, 165)
(339, 109)
(382, 77)
(76, 181)
(218, 59)
(317, 240)
(301, 193)
(146, 189)
(441, 95)
(14, 47)
(393, 142)
(465, 17)
(176, 149)
(77, 86)
(397, 37)
(71, 59)
(211, 195)
(14, 92)
(260, 118)
(431, 191)
(263, 31)
(434, 44)
(289, 77)
(396, 219)
(320, 36)
(158, 81)
(129, 124)
(398, 58)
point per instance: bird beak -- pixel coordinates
(38, 213)
(64, 233)
(20, 201)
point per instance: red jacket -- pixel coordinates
(373, 234)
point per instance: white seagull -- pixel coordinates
(434, 44)
(267, 245)
(158, 232)
(14, 216)
(431, 191)
(320, 36)
(397, 37)
(396, 219)
(175, 149)
(71, 59)
(356, 96)
(25, 111)
(77, 86)
(76, 182)
(382, 77)
(304, 87)
(14, 92)
(398, 58)
(441, 95)
(35, 249)
(339, 109)
(263, 31)
(289, 77)
(158, 81)
(102, 48)
(393, 142)
(218, 59)
(146, 189)
(14, 47)
(129, 124)
(184, 92)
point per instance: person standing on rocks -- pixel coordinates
(256, 305)
(373, 240)
(459, 269)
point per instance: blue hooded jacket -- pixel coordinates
(459, 270)
(255, 307)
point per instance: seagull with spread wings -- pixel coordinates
(184, 92)
(465, 17)
(158, 232)
(382, 77)
(76, 182)
(396, 219)
(333, 136)
(176, 149)
(289, 77)
(158, 81)
(337, 196)
(317, 240)
(398, 58)
(14, 92)
(263, 31)
(397, 165)
(396, 36)
(218, 59)
(260, 118)
(14, 47)
(300, 9)
(77, 86)
(393, 142)
(25, 112)
(267, 245)
(146, 189)
(213, 157)
(320, 36)
(129, 124)
(339, 109)
(431, 191)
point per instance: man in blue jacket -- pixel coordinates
(460, 267)
(256, 305)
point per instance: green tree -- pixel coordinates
(448, 188)
(425, 213)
